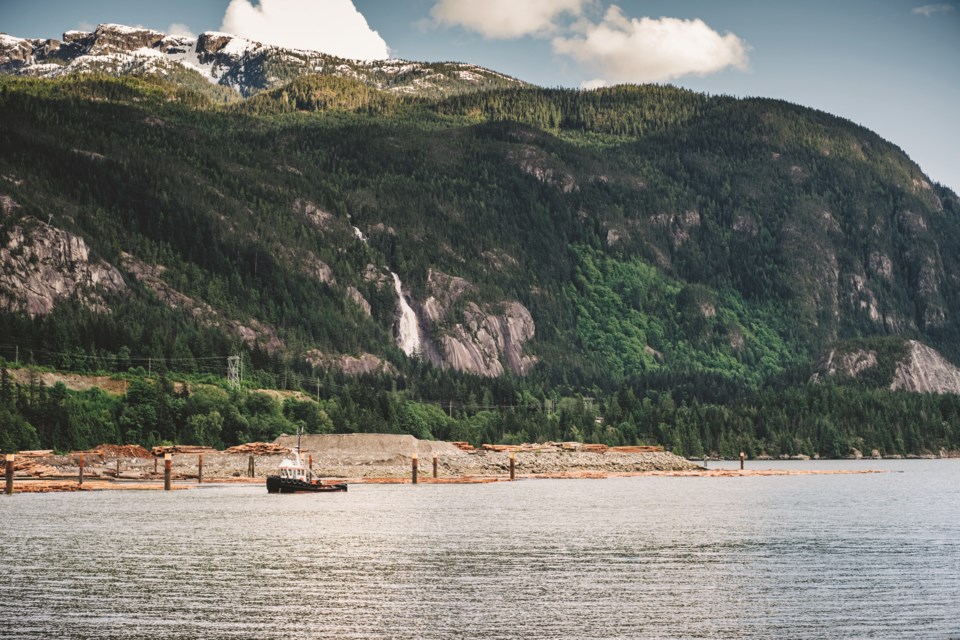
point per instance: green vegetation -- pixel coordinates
(686, 260)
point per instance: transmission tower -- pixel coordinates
(233, 371)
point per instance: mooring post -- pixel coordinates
(9, 488)
(155, 458)
(118, 467)
(742, 456)
(199, 468)
(415, 463)
(80, 480)
(250, 467)
(167, 464)
(513, 465)
(435, 465)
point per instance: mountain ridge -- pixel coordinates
(225, 60)
(684, 259)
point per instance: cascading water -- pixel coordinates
(408, 334)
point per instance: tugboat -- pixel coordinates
(296, 478)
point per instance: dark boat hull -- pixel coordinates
(276, 484)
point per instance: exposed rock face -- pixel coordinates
(536, 162)
(354, 294)
(679, 224)
(849, 364)
(224, 59)
(316, 268)
(254, 333)
(318, 218)
(444, 290)
(42, 265)
(486, 340)
(923, 370)
(112, 38)
(353, 366)
(926, 371)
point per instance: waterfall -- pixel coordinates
(408, 338)
(408, 333)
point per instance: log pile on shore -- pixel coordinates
(259, 449)
(183, 449)
(563, 446)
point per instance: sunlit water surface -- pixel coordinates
(793, 556)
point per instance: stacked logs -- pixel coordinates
(568, 446)
(159, 452)
(259, 449)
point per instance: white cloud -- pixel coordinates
(930, 9)
(596, 83)
(330, 26)
(504, 18)
(623, 49)
(180, 29)
(85, 25)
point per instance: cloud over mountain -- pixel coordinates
(330, 26)
(623, 49)
(504, 18)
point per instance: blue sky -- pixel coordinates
(890, 65)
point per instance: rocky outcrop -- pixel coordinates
(225, 59)
(365, 364)
(680, 225)
(924, 370)
(487, 342)
(43, 265)
(354, 294)
(317, 217)
(537, 163)
(921, 370)
(850, 364)
(255, 334)
(444, 291)
(114, 38)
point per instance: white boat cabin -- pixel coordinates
(294, 469)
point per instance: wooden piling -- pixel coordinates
(80, 479)
(9, 473)
(118, 467)
(251, 469)
(435, 465)
(199, 468)
(155, 458)
(167, 464)
(513, 465)
(415, 464)
(742, 457)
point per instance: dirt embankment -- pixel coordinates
(353, 456)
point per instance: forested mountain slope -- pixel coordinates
(641, 239)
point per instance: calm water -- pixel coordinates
(795, 557)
